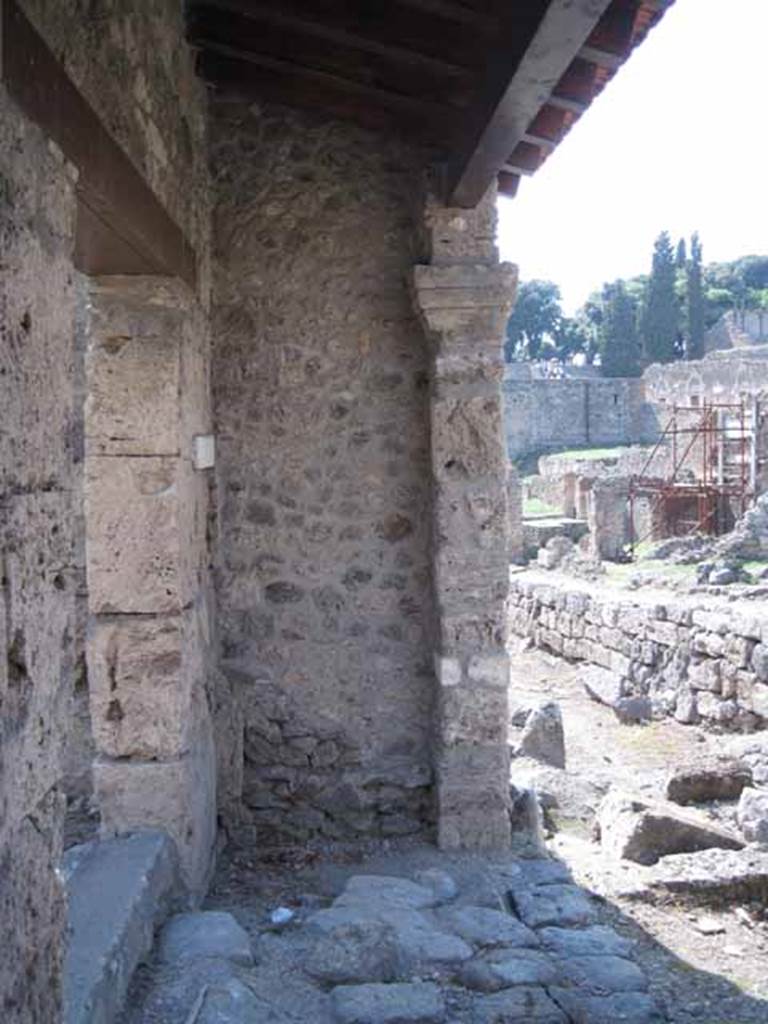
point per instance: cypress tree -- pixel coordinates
(694, 302)
(680, 258)
(660, 313)
(620, 355)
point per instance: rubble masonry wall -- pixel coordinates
(697, 662)
(321, 408)
(37, 513)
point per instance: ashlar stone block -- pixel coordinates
(133, 542)
(133, 386)
(177, 795)
(142, 671)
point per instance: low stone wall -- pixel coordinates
(699, 662)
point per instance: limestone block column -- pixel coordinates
(147, 565)
(464, 297)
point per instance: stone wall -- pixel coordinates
(37, 515)
(542, 415)
(700, 661)
(320, 386)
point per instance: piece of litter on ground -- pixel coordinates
(709, 926)
(281, 915)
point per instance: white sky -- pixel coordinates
(678, 140)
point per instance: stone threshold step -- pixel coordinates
(119, 892)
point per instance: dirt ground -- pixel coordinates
(711, 978)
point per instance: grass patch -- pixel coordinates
(621, 572)
(589, 453)
(535, 508)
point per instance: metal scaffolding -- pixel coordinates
(701, 472)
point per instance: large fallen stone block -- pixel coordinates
(700, 785)
(643, 831)
(704, 877)
(178, 796)
(119, 891)
(752, 815)
(543, 738)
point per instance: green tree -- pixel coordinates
(694, 302)
(619, 348)
(661, 314)
(535, 320)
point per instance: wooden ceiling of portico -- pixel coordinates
(491, 86)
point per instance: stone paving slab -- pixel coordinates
(622, 1008)
(518, 1006)
(596, 940)
(419, 1003)
(506, 968)
(369, 959)
(603, 975)
(207, 933)
(553, 905)
(482, 927)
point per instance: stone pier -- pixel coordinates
(464, 297)
(147, 564)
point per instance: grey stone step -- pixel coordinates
(119, 892)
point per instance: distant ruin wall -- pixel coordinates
(551, 414)
(320, 390)
(697, 662)
(720, 377)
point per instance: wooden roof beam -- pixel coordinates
(456, 12)
(448, 47)
(286, 85)
(253, 40)
(311, 76)
(514, 95)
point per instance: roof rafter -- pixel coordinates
(336, 24)
(512, 100)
